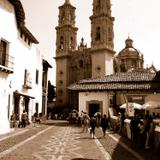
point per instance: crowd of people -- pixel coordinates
(23, 120)
(90, 123)
(142, 131)
(19, 122)
(141, 127)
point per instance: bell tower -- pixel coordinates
(66, 30)
(66, 42)
(102, 38)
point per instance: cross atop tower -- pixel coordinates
(67, 1)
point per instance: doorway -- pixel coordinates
(16, 104)
(26, 103)
(93, 108)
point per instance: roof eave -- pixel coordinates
(20, 17)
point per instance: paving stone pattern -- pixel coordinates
(67, 142)
(13, 140)
(58, 143)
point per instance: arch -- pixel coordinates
(71, 43)
(61, 46)
(109, 34)
(98, 5)
(81, 64)
(98, 34)
(63, 15)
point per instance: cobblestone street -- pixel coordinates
(60, 141)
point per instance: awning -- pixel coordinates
(22, 94)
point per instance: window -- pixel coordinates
(27, 80)
(3, 52)
(61, 43)
(60, 92)
(133, 63)
(60, 82)
(71, 42)
(81, 63)
(63, 15)
(112, 100)
(36, 107)
(60, 72)
(98, 5)
(98, 68)
(37, 76)
(109, 34)
(98, 34)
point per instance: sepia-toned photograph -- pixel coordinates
(79, 80)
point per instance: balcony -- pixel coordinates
(6, 63)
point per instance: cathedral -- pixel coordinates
(76, 62)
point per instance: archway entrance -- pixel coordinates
(93, 108)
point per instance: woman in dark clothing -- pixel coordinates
(134, 130)
(93, 126)
(104, 124)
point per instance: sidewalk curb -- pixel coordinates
(101, 148)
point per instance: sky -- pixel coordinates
(138, 19)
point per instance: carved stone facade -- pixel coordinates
(74, 63)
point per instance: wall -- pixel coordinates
(25, 57)
(153, 97)
(85, 97)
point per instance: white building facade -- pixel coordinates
(91, 102)
(20, 66)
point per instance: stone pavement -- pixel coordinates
(57, 140)
(54, 141)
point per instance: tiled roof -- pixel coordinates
(110, 86)
(120, 81)
(20, 15)
(122, 77)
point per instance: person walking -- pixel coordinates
(24, 118)
(85, 119)
(149, 129)
(122, 118)
(134, 130)
(150, 141)
(104, 124)
(98, 118)
(93, 126)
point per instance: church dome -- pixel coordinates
(129, 58)
(129, 50)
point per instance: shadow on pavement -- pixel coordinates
(119, 148)
(56, 122)
(83, 159)
(89, 138)
(128, 153)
